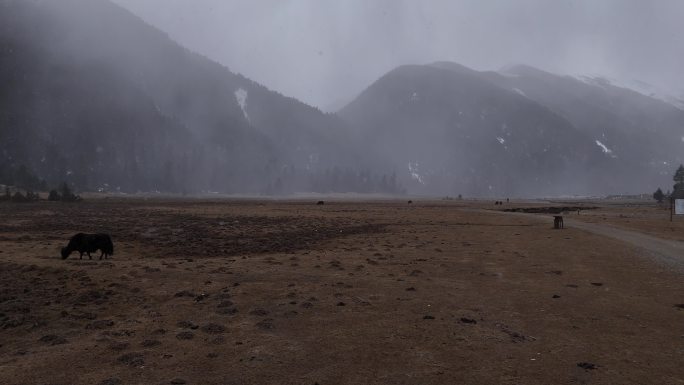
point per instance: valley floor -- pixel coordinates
(251, 292)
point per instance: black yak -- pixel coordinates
(89, 243)
(558, 222)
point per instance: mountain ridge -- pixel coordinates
(94, 62)
(614, 136)
(93, 95)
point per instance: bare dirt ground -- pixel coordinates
(654, 236)
(246, 292)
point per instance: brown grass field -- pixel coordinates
(351, 292)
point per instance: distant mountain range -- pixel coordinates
(92, 95)
(520, 131)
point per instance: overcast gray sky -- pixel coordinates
(324, 52)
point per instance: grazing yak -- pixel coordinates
(89, 243)
(558, 222)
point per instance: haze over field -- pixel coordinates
(429, 97)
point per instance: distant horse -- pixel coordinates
(89, 243)
(320, 203)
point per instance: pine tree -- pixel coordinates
(67, 195)
(678, 191)
(658, 195)
(679, 174)
(54, 196)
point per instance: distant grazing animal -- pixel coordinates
(410, 202)
(89, 243)
(558, 222)
(320, 203)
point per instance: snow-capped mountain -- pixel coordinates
(675, 98)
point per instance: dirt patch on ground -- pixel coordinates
(163, 231)
(549, 209)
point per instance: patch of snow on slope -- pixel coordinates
(596, 81)
(605, 149)
(519, 91)
(502, 141)
(653, 91)
(414, 171)
(241, 97)
(675, 99)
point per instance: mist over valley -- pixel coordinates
(94, 96)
